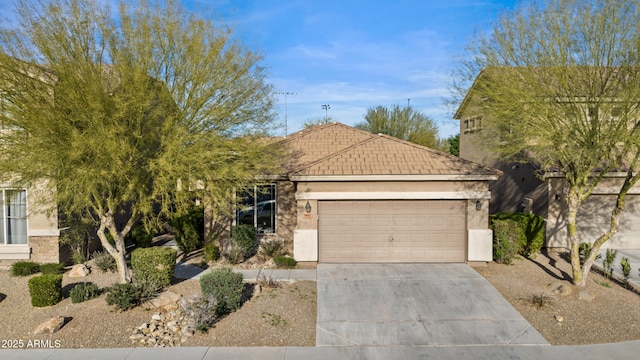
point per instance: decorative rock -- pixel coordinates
(157, 317)
(559, 288)
(167, 300)
(52, 325)
(585, 295)
(78, 270)
(559, 318)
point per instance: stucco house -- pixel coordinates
(525, 187)
(347, 195)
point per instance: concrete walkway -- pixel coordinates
(625, 350)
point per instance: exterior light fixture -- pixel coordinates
(478, 205)
(307, 207)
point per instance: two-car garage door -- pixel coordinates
(392, 231)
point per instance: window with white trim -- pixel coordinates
(13, 217)
(257, 207)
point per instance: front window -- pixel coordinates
(13, 217)
(257, 207)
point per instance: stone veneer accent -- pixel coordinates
(44, 249)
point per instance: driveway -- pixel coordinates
(414, 304)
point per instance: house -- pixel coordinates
(347, 195)
(526, 187)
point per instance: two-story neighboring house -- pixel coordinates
(526, 187)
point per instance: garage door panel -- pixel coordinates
(392, 231)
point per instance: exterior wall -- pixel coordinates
(286, 212)
(594, 215)
(42, 229)
(306, 232)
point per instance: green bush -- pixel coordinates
(244, 236)
(189, 230)
(211, 252)
(104, 261)
(154, 265)
(141, 237)
(272, 248)
(45, 290)
(506, 240)
(285, 262)
(52, 268)
(124, 296)
(24, 268)
(530, 239)
(83, 292)
(225, 286)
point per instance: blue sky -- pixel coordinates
(354, 54)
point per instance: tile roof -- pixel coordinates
(340, 150)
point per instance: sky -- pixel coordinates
(357, 54)
(338, 58)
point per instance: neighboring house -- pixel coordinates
(521, 189)
(347, 195)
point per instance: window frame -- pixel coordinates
(253, 193)
(4, 217)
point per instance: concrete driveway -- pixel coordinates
(414, 304)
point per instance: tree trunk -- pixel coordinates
(118, 251)
(573, 203)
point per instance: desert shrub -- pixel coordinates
(154, 265)
(225, 286)
(211, 252)
(24, 268)
(234, 254)
(124, 296)
(203, 310)
(506, 240)
(141, 237)
(244, 236)
(539, 300)
(272, 248)
(584, 249)
(83, 292)
(607, 262)
(45, 290)
(78, 258)
(625, 267)
(189, 230)
(104, 261)
(52, 268)
(285, 262)
(530, 239)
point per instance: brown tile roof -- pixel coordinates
(338, 149)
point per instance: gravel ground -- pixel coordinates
(602, 312)
(283, 316)
(286, 316)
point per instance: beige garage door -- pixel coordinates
(392, 231)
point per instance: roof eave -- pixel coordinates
(470, 177)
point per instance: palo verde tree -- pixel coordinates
(129, 116)
(401, 122)
(558, 82)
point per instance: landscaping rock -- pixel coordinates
(559, 288)
(167, 300)
(51, 326)
(585, 295)
(167, 329)
(78, 270)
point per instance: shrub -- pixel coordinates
(78, 258)
(24, 268)
(244, 236)
(104, 261)
(141, 237)
(124, 296)
(189, 230)
(531, 238)
(203, 310)
(154, 265)
(83, 292)
(234, 254)
(607, 262)
(45, 290)
(584, 249)
(285, 262)
(52, 268)
(272, 248)
(225, 286)
(506, 240)
(625, 267)
(211, 252)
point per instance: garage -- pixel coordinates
(392, 231)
